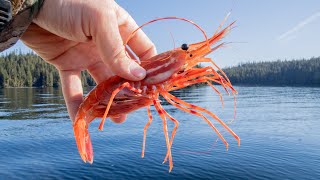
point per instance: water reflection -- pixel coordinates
(29, 103)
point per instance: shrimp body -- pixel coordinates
(167, 71)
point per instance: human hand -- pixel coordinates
(76, 35)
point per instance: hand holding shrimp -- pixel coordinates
(165, 72)
(77, 35)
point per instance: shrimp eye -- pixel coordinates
(184, 47)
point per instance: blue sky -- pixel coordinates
(265, 30)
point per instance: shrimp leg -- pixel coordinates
(206, 79)
(164, 94)
(165, 130)
(196, 73)
(145, 131)
(176, 125)
(168, 95)
(114, 93)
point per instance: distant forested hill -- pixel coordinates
(29, 70)
(305, 72)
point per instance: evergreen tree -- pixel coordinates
(28, 78)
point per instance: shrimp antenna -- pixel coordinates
(224, 20)
(167, 18)
(174, 43)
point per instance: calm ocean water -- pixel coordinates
(279, 129)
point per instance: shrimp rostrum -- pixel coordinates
(168, 71)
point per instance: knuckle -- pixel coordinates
(118, 58)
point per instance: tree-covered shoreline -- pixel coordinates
(304, 72)
(29, 70)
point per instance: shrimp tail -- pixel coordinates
(83, 140)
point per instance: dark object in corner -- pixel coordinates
(5, 13)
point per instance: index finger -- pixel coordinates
(140, 43)
(106, 35)
(72, 91)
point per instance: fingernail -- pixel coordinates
(137, 71)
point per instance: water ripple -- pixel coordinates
(278, 127)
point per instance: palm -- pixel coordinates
(65, 54)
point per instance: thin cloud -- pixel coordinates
(289, 34)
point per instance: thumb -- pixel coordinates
(112, 51)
